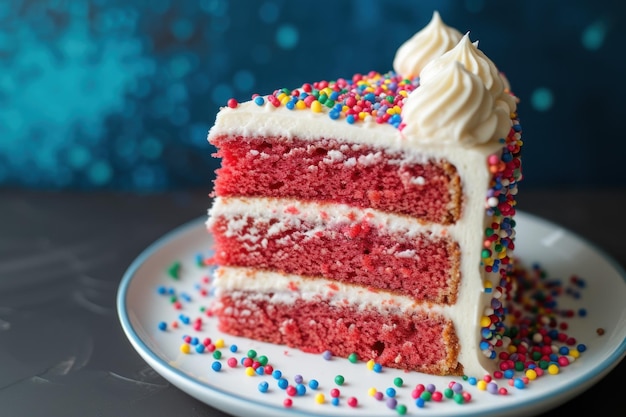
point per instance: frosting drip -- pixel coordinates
(453, 105)
(430, 43)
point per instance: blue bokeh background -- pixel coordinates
(120, 94)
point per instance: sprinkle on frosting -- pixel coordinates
(499, 238)
(373, 97)
(388, 98)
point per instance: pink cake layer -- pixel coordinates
(328, 170)
(421, 342)
(425, 268)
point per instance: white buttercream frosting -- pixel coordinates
(431, 42)
(453, 106)
(289, 288)
(475, 61)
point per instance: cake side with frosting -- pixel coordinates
(373, 215)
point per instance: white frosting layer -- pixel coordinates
(429, 43)
(288, 288)
(263, 212)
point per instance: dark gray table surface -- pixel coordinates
(62, 256)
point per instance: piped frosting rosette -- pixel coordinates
(430, 43)
(478, 63)
(453, 105)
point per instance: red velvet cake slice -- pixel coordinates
(373, 215)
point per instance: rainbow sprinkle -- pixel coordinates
(499, 238)
(538, 348)
(373, 97)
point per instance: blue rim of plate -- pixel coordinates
(567, 392)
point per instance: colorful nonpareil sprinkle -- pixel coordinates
(371, 97)
(538, 347)
(499, 237)
(174, 269)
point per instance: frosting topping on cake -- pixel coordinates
(431, 42)
(478, 63)
(453, 105)
(403, 98)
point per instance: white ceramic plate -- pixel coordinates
(142, 307)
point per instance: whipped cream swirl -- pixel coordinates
(431, 42)
(453, 105)
(475, 61)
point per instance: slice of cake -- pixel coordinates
(373, 215)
